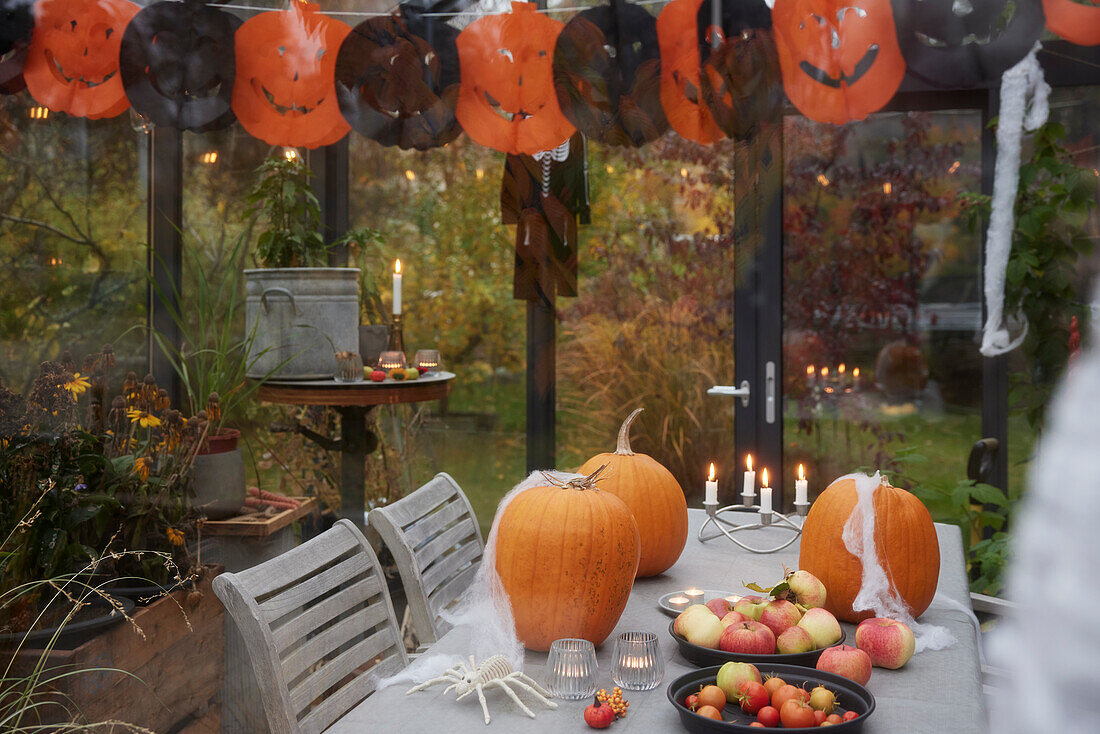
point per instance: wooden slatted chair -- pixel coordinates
(314, 621)
(435, 540)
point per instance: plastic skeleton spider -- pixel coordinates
(496, 671)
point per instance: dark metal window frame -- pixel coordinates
(759, 303)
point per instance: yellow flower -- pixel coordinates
(175, 537)
(143, 419)
(76, 385)
(142, 465)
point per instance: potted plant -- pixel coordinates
(300, 311)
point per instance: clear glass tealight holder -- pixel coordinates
(349, 367)
(571, 669)
(637, 664)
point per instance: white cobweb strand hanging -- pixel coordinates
(1049, 644)
(484, 608)
(1024, 95)
(876, 592)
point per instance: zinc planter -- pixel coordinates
(300, 318)
(219, 478)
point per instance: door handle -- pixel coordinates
(769, 392)
(734, 392)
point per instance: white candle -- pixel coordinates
(694, 596)
(749, 489)
(397, 288)
(765, 495)
(801, 493)
(712, 488)
(678, 602)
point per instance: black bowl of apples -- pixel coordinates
(765, 631)
(847, 701)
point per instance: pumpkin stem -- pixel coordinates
(588, 482)
(623, 446)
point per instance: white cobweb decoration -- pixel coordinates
(1048, 645)
(876, 593)
(1024, 106)
(484, 607)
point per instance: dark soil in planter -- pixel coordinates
(94, 616)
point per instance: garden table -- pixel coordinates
(353, 400)
(935, 692)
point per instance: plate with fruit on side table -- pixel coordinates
(850, 696)
(711, 656)
(708, 594)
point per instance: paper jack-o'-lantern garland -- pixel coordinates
(607, 70)
(177, 64)
(1077, 22)
(681, 60)
(840, 58)
(72, 61)
(284, 92)
(953, 44)
(397, 80)
(506, 100)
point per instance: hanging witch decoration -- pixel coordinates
(607, 71)
(545, 196)
(965, 43)
(177, 64)
(397, 80)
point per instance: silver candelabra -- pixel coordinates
(727, 527)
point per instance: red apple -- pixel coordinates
(888, 642)
(806, 589)
(721, 607)
(749, 637)
(732, 675)
(822, 626)
(848, 661)
(700, 628)
(751, 606)
(794, 639)
(780, 614)
(732, 618)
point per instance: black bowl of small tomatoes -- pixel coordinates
(710, 656)
(853, 703)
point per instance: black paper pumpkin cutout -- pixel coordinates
(607, 74)
(177, 64)
(397, 80)
(16, 23)
(740, 79)
(965, 43)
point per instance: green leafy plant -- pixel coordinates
(1055, 199)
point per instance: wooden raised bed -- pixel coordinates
(181, 669)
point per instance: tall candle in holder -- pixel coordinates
(712, 488)
(801, 487)
(765, 495)
(397, 287)
(748, 491)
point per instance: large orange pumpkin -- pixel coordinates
(652, 494)
(1077, 22)
(566, 556)
(905, 540)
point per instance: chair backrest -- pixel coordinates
(314, 620)
(436, 542)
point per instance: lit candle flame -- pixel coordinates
(809, 370)
(480, 173)
(410, 175)
(290, 154)
(840, 368)
(855, 372)
(765, 478)
(887, 188)
(748, 461)
(801, 472)
(710, 477)
(824, 371)
(397, 266)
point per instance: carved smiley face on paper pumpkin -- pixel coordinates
(284, 92)
(397, 80)
(840, 58)
(72, 61)
(177, 64)
(506, 100)
(965, 43)
(1077, 21)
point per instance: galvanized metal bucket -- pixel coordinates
(301, 316)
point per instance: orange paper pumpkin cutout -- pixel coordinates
(840, 58)
(1074, 21)
(506, 98)
(681, 89)
(72, 62)
(284, 92)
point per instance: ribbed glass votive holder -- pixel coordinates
(571, 669)
(637, 664)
